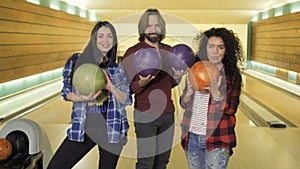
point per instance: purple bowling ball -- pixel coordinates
(181, 57)
(147, 62)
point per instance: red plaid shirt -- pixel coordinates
(221, 118)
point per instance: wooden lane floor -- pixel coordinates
(257, 148)
(266, 148)
(56, 132)
(282, 102)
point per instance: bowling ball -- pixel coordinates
(5, 149)
(147, 62)
(181, 57)
(202, 73)
(89, 78)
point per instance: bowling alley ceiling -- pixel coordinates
(191, 11)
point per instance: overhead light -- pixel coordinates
(82, 13)
(295, 9)
(79, 3)
(265, 16)
(93, 16)
(34, 1)
(278, 13)
(71, 10)
(54, 5)
(255, 18)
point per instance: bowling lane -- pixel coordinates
(258, 147)
(55, 119)
(266, 148)
(282, 102)
(56, 112)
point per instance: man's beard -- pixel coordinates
(152, 39)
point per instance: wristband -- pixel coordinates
(217, 99)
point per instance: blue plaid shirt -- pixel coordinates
(117, 124)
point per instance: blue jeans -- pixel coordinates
(199, 158)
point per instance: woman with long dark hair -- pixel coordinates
(101, 122)
(209, 119)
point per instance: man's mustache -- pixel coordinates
(149, 34)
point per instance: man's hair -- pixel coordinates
(144, 20)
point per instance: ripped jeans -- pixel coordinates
(199, 158)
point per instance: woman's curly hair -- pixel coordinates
(234, 54)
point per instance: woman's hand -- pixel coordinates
(189, 91)
(120, 95)
(109, 85)
(89, 97)
(214, 87)
(77, 97)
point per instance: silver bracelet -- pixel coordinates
(217, 99)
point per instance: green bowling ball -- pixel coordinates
(89, 78)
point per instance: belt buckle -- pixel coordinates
(97, 103)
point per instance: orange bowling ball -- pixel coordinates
(202, 73)
(5, 149)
